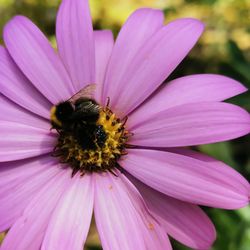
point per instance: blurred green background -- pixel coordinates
(224, 49)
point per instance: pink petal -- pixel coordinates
(140, 26)
(19, 183)
(211, 162)
(153, 63)
(154, 235)
(188, 179)
(28, 231)
(14, 113)
(189, 89)
(185, 222)
(17, 87)
(36, 58)
(75, 41)
(19, 141)
(69, 225)
(115, 213)
(104, 42)
(190, 124)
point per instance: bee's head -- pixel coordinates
(61, 113)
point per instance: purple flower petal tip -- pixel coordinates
(189, 179)
(191, 124)
(189, 89)
(147, 60)
(38, 61)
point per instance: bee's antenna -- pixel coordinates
(108, 102)
(124, 120)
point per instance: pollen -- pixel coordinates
(151, 226)
(100, 150)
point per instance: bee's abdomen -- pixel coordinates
(84, 135)
(90, 136)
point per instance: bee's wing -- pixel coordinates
(87, 92)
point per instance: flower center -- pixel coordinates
(91, 138)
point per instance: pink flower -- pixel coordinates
(152, 191)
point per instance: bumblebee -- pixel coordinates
(67, 114)
(78, 116)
